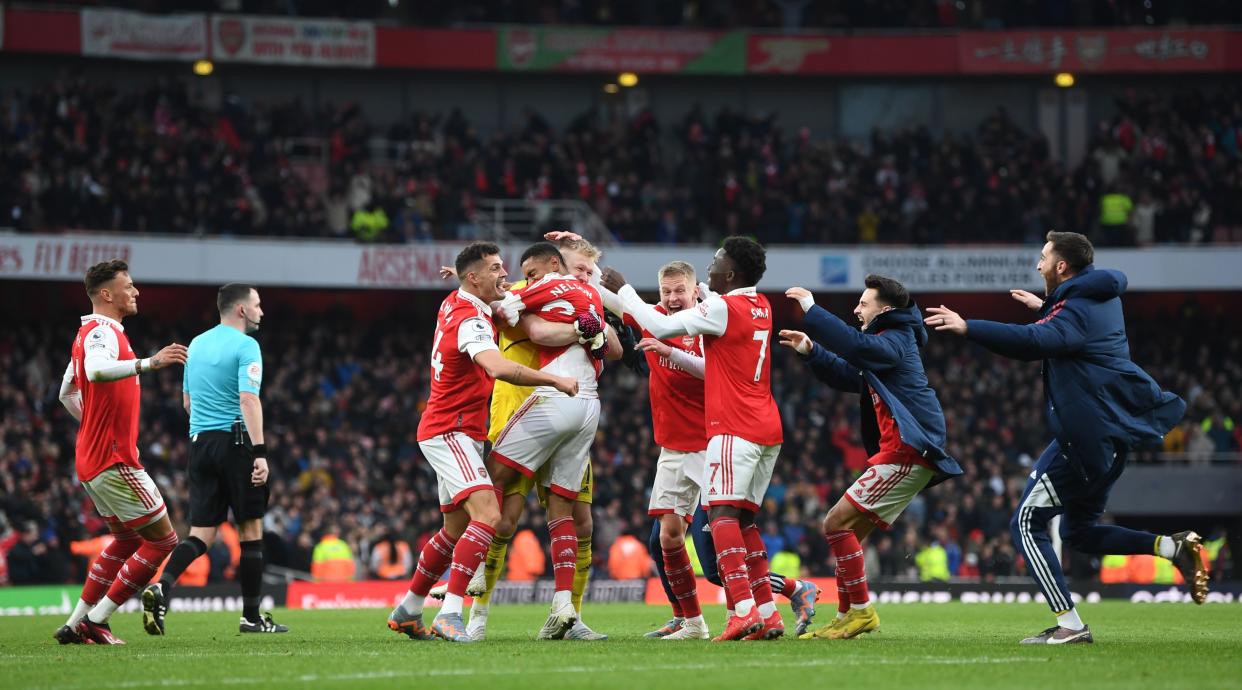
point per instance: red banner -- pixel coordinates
(1038, 52)
(808, 54)
(459, 49)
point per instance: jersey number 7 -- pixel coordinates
(762, 337)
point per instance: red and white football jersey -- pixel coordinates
(459, 387)
(737, 333)
(676, 395)
(108, 434)
(559, 299)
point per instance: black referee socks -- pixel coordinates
(250, 573)
(186, 552)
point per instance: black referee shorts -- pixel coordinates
(220, 471)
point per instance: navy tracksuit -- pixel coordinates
(1099, 406)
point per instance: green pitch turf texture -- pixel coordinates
(960, 646)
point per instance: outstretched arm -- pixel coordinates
(1062, 332)
(708, 318)
(827, 367)
(862, 350)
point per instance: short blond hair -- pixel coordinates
(581, 246)
(677, 268)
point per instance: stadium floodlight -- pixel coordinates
(611, 88)
(627, 79)
(1064, 80)
(204, 68)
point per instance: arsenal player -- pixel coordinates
(101, 389)
(464, 362)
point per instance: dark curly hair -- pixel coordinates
(748, 256)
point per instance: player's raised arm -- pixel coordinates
(708, 318)
(500, 368)
(825, 328)
(102, 363)
(827, 367)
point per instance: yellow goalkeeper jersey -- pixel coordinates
(516, 346)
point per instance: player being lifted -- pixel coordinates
(549, 429)
(902, 427)
(676, 393)
(101, 390)
(520, 346)
(742, 422)
(464, 361)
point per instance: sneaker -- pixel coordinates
(855, 623)
(803, 604)
(773, 627)
(1190, 562)
(265, 624)
(67, 635)
(477, 586)
(560, 620)
(438, 592)
(411, 626)
(668, 628)
(584, 633)
(97, 633)
(154, 608)
(1058, 635)
(450, 628)
(689, 629)
(740, 626)
(476, 628)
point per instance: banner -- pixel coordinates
(826, 54)
(138, 36)
(381, 594)
(59, 600)
(282, 41)
(327, 264)
(1091, 51)
(645, 51)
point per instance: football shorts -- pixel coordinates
(738, 471)
(676, 488)
(458, 462)
(127, 495)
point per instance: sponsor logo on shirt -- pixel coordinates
(255, 373)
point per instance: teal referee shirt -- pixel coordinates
(223, 363)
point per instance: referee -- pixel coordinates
(228, 461)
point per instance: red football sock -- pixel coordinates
(140, 568)
(757, 565)
(789, 588)
(105, 568)
(681, 580)
(731, 559)
(469, 552)
(564, 552)
(850, 567)
(843, 595)
(435, 558)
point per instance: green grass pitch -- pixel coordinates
(959, 646)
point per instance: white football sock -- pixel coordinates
(744, 606)
(412, 604)
(1166, 547)
(1070, 620)
(103, 611)
(766, 610)
(452, 604)
(79, 612)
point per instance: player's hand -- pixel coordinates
(566, 385)
(944, 319)
(612, 279)
(802, 296)
(653, 345)
(558, 235)
(259, 476)
(170, 355)
(447, 272)
(510, 309)
(1028, 299)
(797, 340)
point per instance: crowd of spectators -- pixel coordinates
(732, 14)
(342, 400)
(80, 154)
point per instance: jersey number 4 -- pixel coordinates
(437, 362)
